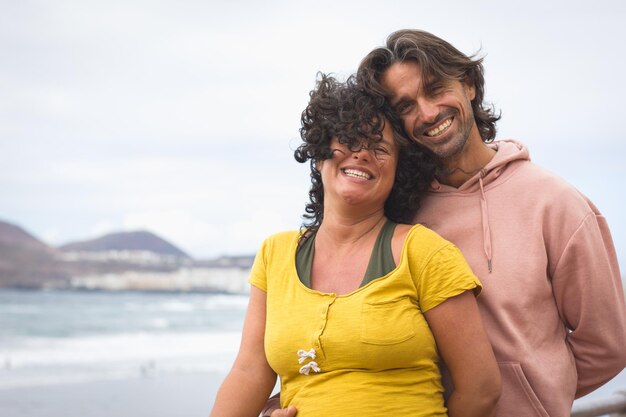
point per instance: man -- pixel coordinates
(552, 303)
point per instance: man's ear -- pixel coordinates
(470, 90)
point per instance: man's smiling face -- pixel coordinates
(435, 113)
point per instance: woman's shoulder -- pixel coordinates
(426, 251)
(411, 240)
(397, 242)
(402, 230)
(282, 238)
(423, 242)
(284, 234)
(419, 232)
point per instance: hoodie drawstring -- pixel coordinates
(485, 219)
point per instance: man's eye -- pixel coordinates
(435, 89)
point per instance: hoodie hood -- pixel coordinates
(508, 152)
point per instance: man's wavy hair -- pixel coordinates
(437, 60)
(356, 118)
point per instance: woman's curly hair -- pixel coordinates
(356, 118)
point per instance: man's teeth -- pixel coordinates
(439, 129)
(356, 174)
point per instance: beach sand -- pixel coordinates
(161, 396)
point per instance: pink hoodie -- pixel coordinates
(552, 301)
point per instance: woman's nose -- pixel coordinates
(361, 153)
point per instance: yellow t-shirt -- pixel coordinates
(366, 353)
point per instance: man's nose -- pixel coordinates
(428, 110)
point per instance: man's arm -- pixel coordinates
(588, 291)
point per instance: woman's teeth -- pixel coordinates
(356, 174)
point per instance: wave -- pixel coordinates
(43, 361)
(62, 337)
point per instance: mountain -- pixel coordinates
(24, 259)
(17, 237)
(126, 241)
(27, 262)
(137, 260)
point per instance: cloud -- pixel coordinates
(185, 114)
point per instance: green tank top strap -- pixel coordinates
(380, 264)
(304, 259)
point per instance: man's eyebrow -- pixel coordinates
(428, 82)
(433, 82)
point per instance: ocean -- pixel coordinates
(72, 338)
(60, 337)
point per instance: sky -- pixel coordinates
(181, 117)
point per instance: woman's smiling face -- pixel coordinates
(364, 176)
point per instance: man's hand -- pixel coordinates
(285, 412)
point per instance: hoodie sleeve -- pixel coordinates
(588, 291)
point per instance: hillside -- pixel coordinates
(16, 237)
(126, 241)
(24, 259)
(129, 261)
(27, 262)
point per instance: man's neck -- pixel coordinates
(460, 168)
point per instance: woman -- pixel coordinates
(354, 312)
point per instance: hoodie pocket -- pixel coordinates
(518, 398)
(388, 323)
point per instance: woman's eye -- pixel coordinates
(379, 150)
(404, 107)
